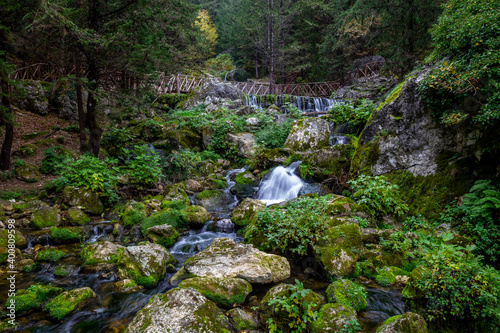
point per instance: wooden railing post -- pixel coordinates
(178, 83)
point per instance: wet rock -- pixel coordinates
(164, 234)
(81, 197)
(244, 142)
(308, 133)
(332, 318)
(127, 286)
(212, 199)
(77, 217)
(246, 211)
(408, 322)
(66, 235)
(196, 216)
(180, 310)
(224, 225)
(225, 292)
(242, 191)
(347, 293)
(176, 192)
(226, 258)
(145, 264)
(242, 320)
(28, 173)
(179, 276)
(101, 256)
(69, 301)
(44, 217)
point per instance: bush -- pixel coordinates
(378, 194)
(53, 160)
(182, 164)
(115, 139)
(273, 135)
(356, 114)
(293, 230)
(143, 167)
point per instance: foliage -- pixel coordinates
(220, 65)
(351, 326)
(300, 312)
(465, 88)
(273, 135)
(294, 229)
(53, 160)
(356, 114)
(143, 167)
(208, 31)
(91, 173)
(115, 139)
(185, 162)
(378, 194)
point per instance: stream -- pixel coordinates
(114, 310)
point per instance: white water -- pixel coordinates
(303, 103)
(281, 185)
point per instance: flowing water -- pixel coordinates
(282, 184)
(303, 103)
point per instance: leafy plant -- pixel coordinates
(143, 168)
(273, 135)
(300, 312)
(53, 160)
(115, 139)
(356, 114)
(377, 193)
(351, 326)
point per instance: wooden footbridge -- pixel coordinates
(187, 83)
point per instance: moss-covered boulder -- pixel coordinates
(164, 234)
(81, 197)
(387, 275)
(408, 322)
(134, 213)
(176, 192)
(50, 255)
(127, 286)
(26, 150)
(411, 290)
(225, 292)
(348, 293)
(44, 217)
(69, 301)
(308, 133)
(196, 216)
(32, 298)
(246, 178)
(145, 264)
(28, 173)
(242, 320)
(246, 211)
(226, 258)
(279, 316)
(63, 270)
(101, 255)
(179, 276)
(66, 235)
(338, 251)
(342, 206)
(213, 199)
(174, 217)
(242, 191)
(19, 239)
(77, 217)
(180, 310)
(327, 161)
(332, 318)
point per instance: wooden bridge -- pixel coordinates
(186, 83)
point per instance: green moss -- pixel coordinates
(166, 237)
(331, 318)
(134, 213)
(388, 275)
(66, 235)
(245, 178)
(173, 217)
(146, 281)
(393, 95)
(174, 204)
(208, 194)
(77, 217)
(51, 255)
(364, 157)
(224, 292)
(33, 298)
(62, 305)
(44, 217)
(62, 270)
(347, 293)
(418, 274)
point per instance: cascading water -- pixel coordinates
(281, 185)
(303, 103)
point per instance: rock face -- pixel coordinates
(145, 264)
(224, 292)
(371, 87)
(213, 92)
(180, 310)
(308, 133)
(408, 322)
(90, 202)
(245, 142)
(225, 258)
(246, 211)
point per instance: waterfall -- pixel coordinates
(281, 185)
(303, 103)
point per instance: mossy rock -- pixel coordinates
(81, 197)
(32, 298)
(181, 275)
(324, 163)
(242, 320)
(246, 211)
(212, 199)
(45, 142)
(347, 293)
(342, 206)
(134, 213)
(28, 173)
(51, 255)
(175, 218)
(246, 178)
(308, 133)
(77, 217)
(69, 301)
(26, 150)
(388, 275)
(408, 322)
(104, 252)
(32, 135)
(332, 318)
(45, 217)
(176, 192)
(164, 234)
(196, 216)
(339, 251)
(127, 286)
(66, 235)
(225, 292)
(19, 239)
(62, 270)
(411, 290)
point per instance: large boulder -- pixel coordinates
(44, 217)
(101, 255)
(163, 234)
(213, 92)
(81, 197)
(332, 318)
(180, 310)
(176, 192)
(408, 322)
(69, 301)
(242, 320)
(246, 211)
(145, 264)
(77, 217)
(245, 142)
(213, 199)
(308, 133)
(226, 258)
(133, 213)
(348, 293)
(225, 292)
(196, 216)
(28, 173)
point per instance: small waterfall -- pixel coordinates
(281, 185)
(338, 136)
(303, 103)
(97, 232)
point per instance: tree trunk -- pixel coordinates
(7, 119)
(81, 111)
(95, 131)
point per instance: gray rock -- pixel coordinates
(34, 98)
(180, 310)
(226, 258)
(224, 225)
(245, 142)
(246, 211)
(308, 133)
(213, 92)
(408, 322)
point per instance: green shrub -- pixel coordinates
(53, 160)
(143, 168)
(378, 194)
(114, 139)
(273, 135)
(185, 162)
(356, 114)
(292, 230)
